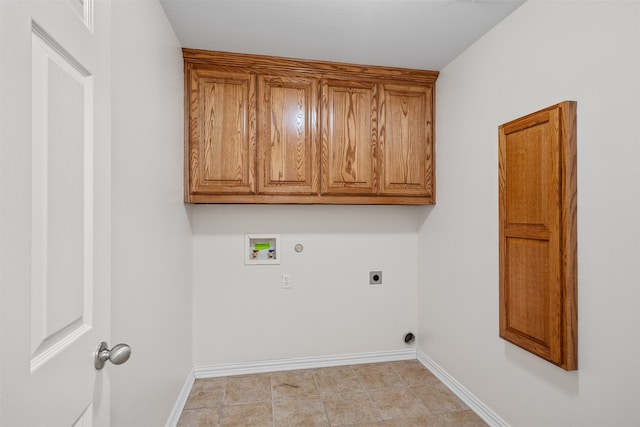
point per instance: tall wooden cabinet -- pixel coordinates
(538, 233)
(275, 130)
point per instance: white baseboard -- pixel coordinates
(465, 395)
(174, 416)
(243, 368)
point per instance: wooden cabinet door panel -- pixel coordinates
(288, 161)
(349, 137)
(530, 300)
(538, 234)
(406, 139)
(222, 132)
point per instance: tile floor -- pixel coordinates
(380, 394)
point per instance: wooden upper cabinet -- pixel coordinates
(406, 140)
(221, 148)
(538, 244)
(288, 161)
(349, 137)
(275, 130)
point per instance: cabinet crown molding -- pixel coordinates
(271, 64)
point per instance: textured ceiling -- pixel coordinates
(424, 34)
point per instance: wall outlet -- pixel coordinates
(286, 281)
(375, 277)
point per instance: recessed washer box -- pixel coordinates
(262, 249)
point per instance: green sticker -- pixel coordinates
(262, 246)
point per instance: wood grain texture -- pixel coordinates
(277, 130)
(222, 132)
(261, 64)
(406, 139)
(349, 137)
(288, 159)
(538, 243)
(302, 199)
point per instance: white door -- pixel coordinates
(54, 211)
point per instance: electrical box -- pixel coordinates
(262, 249)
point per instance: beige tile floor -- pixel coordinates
(381, 394)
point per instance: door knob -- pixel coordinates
(117, 355)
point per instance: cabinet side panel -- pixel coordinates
(569, 225)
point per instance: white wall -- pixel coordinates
(151, 295)
(545, 52)
(241, 313)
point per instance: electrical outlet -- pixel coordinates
(375, 277)
(286, 281)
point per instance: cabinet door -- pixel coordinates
(349, 137)
(406, 140)
(288, 161)
(221, 148)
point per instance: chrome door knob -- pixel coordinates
(117, 355)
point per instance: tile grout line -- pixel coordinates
(410, 388)
(222, 404)
(320, 396)
(273, 401)
(366, 392)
